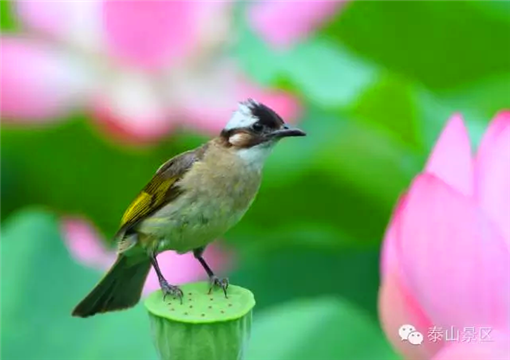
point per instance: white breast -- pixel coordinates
(255, 156)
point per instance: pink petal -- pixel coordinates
(129, 130)
(455, 262)
(39, 82)
(282, 23)
(75, 22)
(398, 307)
(165, 31)
(450, 159)
(492, 170)
(84, 243)
(389, 256)
(491, 350)
(179, 269)
(132, 109)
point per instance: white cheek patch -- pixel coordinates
(237, 139)
(242, 118)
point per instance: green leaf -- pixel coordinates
(390, 105)
(41, 285)
(496, 9)
(366, 155)
(482, 98)
(10, 186)
(288, 272)
(329, 76)
(8, 21)
(438, 43)
(326, 329)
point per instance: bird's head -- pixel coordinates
(254, 129)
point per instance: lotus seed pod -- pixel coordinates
(204, 326)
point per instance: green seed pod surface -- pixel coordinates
(205, 326)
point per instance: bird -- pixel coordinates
(191, 200)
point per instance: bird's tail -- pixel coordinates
(120, 288)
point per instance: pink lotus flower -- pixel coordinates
(140, 67)
(85, 247)
(446, 255)
(283, 23)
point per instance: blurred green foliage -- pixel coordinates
(377, 84)
(323, 328)
(440, 44)
(39, 280)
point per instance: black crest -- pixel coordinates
(267, 116)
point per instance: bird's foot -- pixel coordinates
(221, 283)
(170, 290)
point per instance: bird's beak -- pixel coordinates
(287, 131)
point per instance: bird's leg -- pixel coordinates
(167, 289)
(215, 281)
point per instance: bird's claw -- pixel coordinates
(221, 283)
(171, 290)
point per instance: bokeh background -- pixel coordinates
(86, 121)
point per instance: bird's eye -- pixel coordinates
(257, 127)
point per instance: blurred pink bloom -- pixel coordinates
(140, 67)
(85, 246)
(283, 23)
(446, 255)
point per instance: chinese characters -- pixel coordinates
(435, 334)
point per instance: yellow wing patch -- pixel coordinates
(149, 199)
(141, 202)
(160, 190)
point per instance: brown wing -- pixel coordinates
(160, 190)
